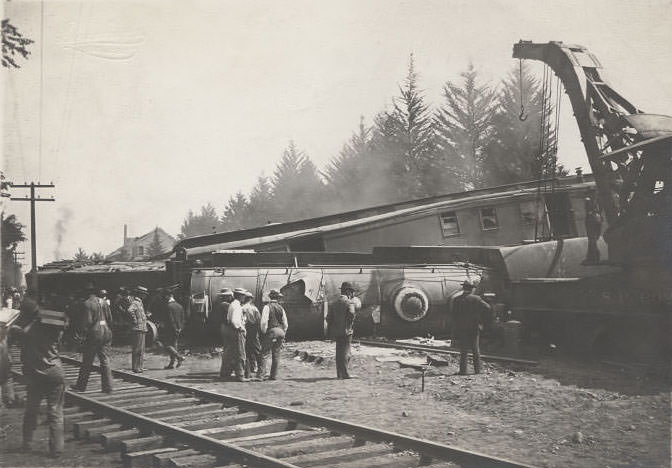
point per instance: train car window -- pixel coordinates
(489, 219)
(449, 224)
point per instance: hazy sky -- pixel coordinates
(151, 108)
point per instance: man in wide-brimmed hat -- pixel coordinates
(273, 329)
(94, 331)
(340, 321)
(44, 376)
(233, 356)
(469, 311)
(136, 312)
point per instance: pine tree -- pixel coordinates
(206, 222)
(81, 255)
(12, 234)
(464, 127)
(407, 137)
(515, 152)
(154, 249)
(296, 183)
(236, 213)
(13, 43)
(261, 203)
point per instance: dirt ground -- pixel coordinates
(555, 414)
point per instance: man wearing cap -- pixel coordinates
(233, 357)
(136, 312)
(593, 231)
(94, 330)
(273, 328)
(469, 311)
(174, 322)
(44, 376)
(252, 336)
(340, 321)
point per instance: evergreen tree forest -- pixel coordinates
(473, 138)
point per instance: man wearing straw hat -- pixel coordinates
(44, 376)
(233, 357)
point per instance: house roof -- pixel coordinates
(144, 237)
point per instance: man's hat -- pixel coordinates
(52, 317)
(249, 294)
(123, 290)
(102, 292)
(346, 285)
(141, 290)
(240, 291)
(225, 292)
(274, 293)
(467, 284)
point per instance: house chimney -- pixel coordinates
(125, 233)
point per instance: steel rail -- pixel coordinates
(197, 441)
(425, 448)
(414, 347)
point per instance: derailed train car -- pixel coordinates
(399, 298)
(397, 301)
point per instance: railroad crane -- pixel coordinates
(630, 154)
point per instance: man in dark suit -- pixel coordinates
(469, 313)
(340, 322)
(172, 328)
(93, 326)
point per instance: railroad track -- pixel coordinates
(156, 423)
(435, 350)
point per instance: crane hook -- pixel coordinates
(522, 116)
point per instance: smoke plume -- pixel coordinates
(61, 227)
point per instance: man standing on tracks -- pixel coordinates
(44, 376)
(252, 336)
(273, 329)
(93, 326)
(174, 322)
(469, 311)
(340, 322)
(136, 312)
(233, 357)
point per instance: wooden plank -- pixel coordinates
(161, 460)
(143, 458)
(349, 454)
(112, 440)
(251, 428)
(175, 414)
(142, 443)
(193, 461)
(78, 427)
(308, 446)
(93, 434)
(211, 424)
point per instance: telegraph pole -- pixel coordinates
(32, 199)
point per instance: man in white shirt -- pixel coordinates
(233, 356)
(273, 329)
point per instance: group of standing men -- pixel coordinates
(248, 336)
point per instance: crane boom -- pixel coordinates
(629, 151)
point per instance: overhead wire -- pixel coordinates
(41, 112)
